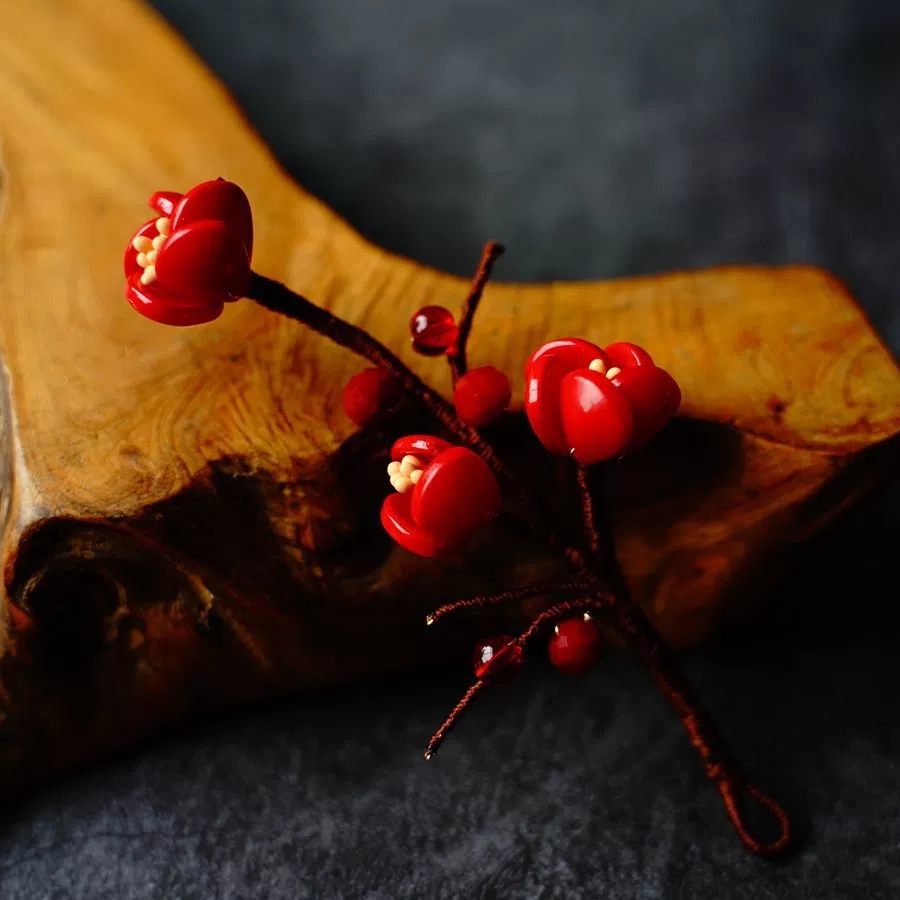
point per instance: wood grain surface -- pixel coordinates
(189, 520)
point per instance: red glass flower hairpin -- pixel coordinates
(588, 402)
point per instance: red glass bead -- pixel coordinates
(368, 394)
(575, 646)
(433, 330)
(498, 658)
(481, 395)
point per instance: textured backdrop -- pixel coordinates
(595, 139)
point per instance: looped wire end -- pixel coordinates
(731, 790)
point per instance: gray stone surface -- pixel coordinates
(594, 138)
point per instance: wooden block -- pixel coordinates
(188, 518)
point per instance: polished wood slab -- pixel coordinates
(188, 518)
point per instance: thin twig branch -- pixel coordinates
(489, 255)
(553, 589)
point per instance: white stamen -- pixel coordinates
(149, 275)
(416, 475)
(142, 243)
(401, 483)
(151, 257)
(597, 365)
(162, 226)
(158, 241)
(409, 464)
(615, 370)
(587, 617)
(393, 468)
(142, 260)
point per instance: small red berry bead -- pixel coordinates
(433, 330)
(368, 394)
(575, 645)
(498, 658)
(481, 395)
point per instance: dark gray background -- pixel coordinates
(594, 138)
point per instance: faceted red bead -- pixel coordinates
(368, 394)
(498, 658)
(433, 330)
(575, 646)
(481, 395)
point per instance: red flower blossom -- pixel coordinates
(596, 404)
(444, 494)
(183, 266)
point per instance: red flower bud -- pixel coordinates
(370, 393)
(481, 395)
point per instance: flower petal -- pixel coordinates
(156, 304)
(596, 417)
(219, 201)
(575, 352)
(396, 520)
(626, 356)
(542, 401)
(653, 396)
(425, 446)
(457, 494)
(164, 202)
(204, 257)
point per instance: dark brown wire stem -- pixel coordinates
(553, 589)
(438, 737)
(603, 561)
(718, 762)
(628, 619)
(588, 513)
(489, 255)
(642, 639)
